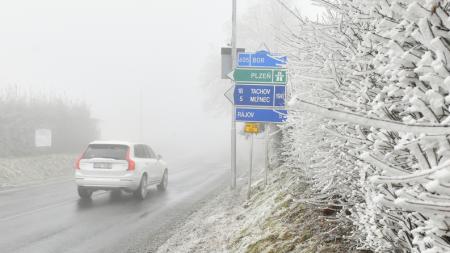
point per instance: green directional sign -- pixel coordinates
(260, 75)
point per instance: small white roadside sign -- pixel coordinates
(43, 138)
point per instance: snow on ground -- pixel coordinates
(271, 221)
(35, 169)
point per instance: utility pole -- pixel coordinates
(233, 109)
(141, 109)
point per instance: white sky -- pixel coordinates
(105, 51)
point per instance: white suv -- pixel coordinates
(111, 165)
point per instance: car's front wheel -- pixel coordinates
(141, 191)
(84, 193)
(162, 186)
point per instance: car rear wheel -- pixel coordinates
(141, 191)
(84, 192)
(162, 186)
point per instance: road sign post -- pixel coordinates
(266, 153)
(259, 75)
(250, 168)
(261, 59)
(233, 108)
(259, 95)
(260, 115)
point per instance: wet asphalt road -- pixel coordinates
(51, 218)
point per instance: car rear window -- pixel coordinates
(113, 151)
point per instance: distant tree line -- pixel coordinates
(22, 113)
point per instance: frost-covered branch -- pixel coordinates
(429, 129)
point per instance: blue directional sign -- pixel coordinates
(261, 59)
(260, 115)
(259, 95)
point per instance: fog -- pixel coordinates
(112, 54)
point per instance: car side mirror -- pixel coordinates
(159, 157)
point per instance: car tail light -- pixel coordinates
(77, 163)
(131, 163)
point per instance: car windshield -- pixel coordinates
(113, 151)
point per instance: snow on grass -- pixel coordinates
(24, 170)
(271, 221)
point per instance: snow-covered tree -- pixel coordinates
(379, 71)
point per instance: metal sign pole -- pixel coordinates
(233, 110)
(250, 167)
(141, 110)
(266, 152)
